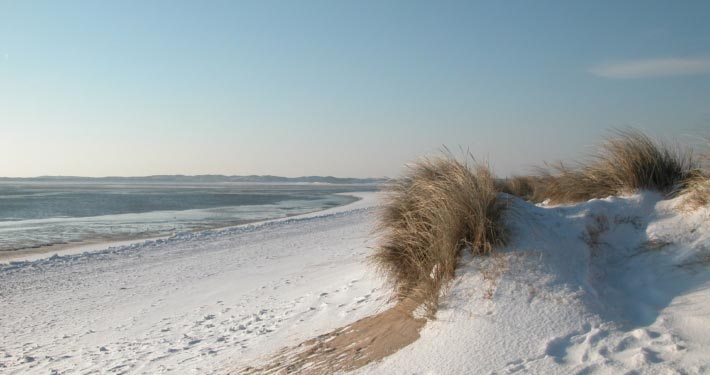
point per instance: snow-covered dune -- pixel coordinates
(192, 303)
(611, 286)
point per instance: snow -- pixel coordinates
(611, 286)
(193, 303)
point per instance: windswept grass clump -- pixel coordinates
(696, 189)
(439, 207)
(627, 162)
(528, 188)
(696, 192)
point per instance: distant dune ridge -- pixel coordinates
(208, 178)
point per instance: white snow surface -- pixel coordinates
(634, 299)
(194, 303)
(611, 286)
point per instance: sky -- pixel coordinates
(349, 89)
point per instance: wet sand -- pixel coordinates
(36, 253)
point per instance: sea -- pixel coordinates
(40, 215)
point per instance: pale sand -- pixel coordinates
(347, 348)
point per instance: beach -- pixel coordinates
(41, 218)
(198, 302)
(363, 188)
(301, 293)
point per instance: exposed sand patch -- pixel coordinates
(347, 348)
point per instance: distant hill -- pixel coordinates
(208, 178)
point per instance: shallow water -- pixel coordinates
(38, 214)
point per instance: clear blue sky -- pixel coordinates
(356, 88)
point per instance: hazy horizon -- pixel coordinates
(188, 176)
(356, 89)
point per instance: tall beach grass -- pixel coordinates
(696, 189)
(442, 205)
(437, 208)
(626, 162)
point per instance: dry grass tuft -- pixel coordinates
(696, 190)
(627, 162)
(525, 187)
(520, 186)
(437, 208)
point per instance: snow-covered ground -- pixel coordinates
(611, 286)
(194, 303)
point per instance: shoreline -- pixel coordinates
(194, 302)
(91, 245)
(47, 251)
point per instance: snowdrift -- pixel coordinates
(618, 285)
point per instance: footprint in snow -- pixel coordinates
(599, 345)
